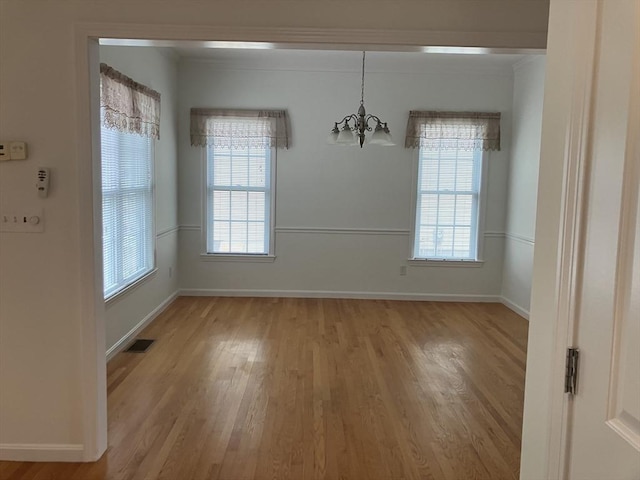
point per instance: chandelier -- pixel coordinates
(344, 133)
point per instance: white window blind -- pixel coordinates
(127, 208)
(447, 202)
(239, 196)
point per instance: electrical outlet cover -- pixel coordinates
(18, 150)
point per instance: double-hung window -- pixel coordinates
(447, 206)
(239, 150)
(452, 148)
(130, 121)
(127, 208)
(239, 200)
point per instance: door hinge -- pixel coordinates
(571, 371)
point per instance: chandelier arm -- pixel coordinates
(348, 118)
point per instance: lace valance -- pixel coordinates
(127, 105)
(453, 130)
(239, 128)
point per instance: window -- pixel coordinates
(239, 161)
(451, 148)
(127, 208)
(447, 206)
(239, 201)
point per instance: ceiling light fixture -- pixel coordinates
(347, 136)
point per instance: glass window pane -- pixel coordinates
(447, 174)
(239, 168)
(221, 205)
(256, 210)
(427, 242)
(256, 240)
(239, 237)
(222, 171)
(446, 209)
(444, 239)
(429, 209)
(221, 239)
(429, 170)
(239, 200)
(464, 175)
(446, 216)
(127, 208)
(462, 243)
(239, 206)
(464, 209)
(257, 171)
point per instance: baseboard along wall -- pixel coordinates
(515, 307)
(130, 336)
(41, 452)
(425, 297)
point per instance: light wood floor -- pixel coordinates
(257, 388)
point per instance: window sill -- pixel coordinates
(434, 262)
(223, 257)
(129, 288)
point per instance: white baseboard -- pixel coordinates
(124, 341)
(37, 452)
(427, 297)
(516, 308)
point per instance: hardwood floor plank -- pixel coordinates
(271, 388)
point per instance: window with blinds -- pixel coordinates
(239, 198)
(446, 224)
(127, 208)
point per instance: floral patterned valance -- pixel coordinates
(127, 105)
(239, 128)
(453, 130)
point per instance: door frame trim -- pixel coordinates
(577, 164)
(86, 36)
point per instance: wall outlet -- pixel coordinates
(403, 270)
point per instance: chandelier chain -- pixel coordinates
(362, 91)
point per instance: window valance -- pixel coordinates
(239, 128)
(128, 106)
(453, 130)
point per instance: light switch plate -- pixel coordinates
(18, 150)
(5, 154)
(25, 221)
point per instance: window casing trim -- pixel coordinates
(118, 294)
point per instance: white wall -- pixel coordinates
(157, 69)
(528, 93)
(320, 186)
(45, 313)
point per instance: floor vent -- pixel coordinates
(140, 346)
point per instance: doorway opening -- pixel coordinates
(249, 75)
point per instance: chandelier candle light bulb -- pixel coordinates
(381, 134)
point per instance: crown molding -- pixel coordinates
(317, 38)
